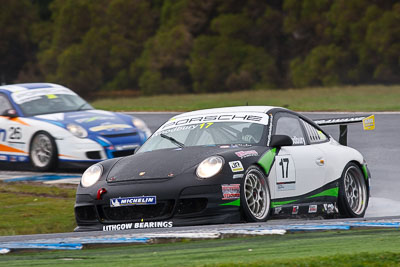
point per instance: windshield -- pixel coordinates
(44, 101)
(206, 134)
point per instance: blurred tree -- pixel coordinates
(232, 57)
(352, 42)
(164, 62)
(162, 66)
(108, 35)
(16, 45)
(177, 46)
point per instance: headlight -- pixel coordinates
(141, 126)
(91, 175)
(77, 130)
(210, 167)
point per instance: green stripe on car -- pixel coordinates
(267, 159)
(233, 203)
(333, 192)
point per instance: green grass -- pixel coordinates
(335, 248)
(36, 209)
(348, 98)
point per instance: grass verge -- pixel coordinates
(28, 208)
(335, 248)
(347, 98)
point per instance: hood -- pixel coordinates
(162, 164)
(95, 122)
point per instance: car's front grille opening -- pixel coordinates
(93, 155)
(118, 135)
(122, 153)
(162, 209)
(85, 213)
(191, 205)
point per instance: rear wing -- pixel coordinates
(367, 121)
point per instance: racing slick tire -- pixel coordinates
(353, 192)
(43, 152)
(255, 195)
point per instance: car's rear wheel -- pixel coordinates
(43, 152)
(255, 195)
(353, 192)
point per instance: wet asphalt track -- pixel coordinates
(381, 148)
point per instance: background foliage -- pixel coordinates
(186, 46)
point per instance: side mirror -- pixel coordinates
(280, 140)
(11, 113)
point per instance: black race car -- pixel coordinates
(226, 165)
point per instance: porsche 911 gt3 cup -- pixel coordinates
(226, 165)
(46, 124)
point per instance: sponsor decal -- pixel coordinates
(226, 146)
(131, 201)
(141, 225)
(369, 123)
(295, 210)
(298, 140)
(230, 191)
(245, 154)
(3, 157)
(95, 118)
(238, 176)
(13, 158)
(177, 129)
(22, 158)
(312, 209)
(237, 116)
(109, 127)
(277, 210)
(329, 208)
(236, 166)
(285, 187)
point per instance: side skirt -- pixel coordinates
(321, 201)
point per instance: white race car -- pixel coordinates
(46, 124)
(227, 165)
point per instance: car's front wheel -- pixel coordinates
(43, 152)
(255, 195)
(353, 192)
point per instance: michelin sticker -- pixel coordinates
(131, 201)
(141, 225)
(236, 166)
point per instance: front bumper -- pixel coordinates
(191, 205)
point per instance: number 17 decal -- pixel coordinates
(285, 173)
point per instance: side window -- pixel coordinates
(290, 125)
(4, 103)
(314, 135)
